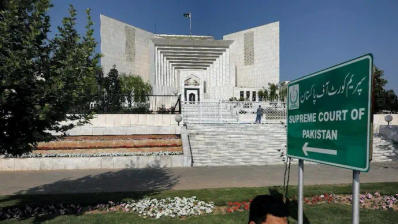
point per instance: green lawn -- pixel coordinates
(325, 213)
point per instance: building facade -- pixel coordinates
(199, 68)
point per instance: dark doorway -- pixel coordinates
(191, 95)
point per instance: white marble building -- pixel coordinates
(199, 68)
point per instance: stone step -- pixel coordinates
(252, 144)
(236, 144)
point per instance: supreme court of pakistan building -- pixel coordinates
(199, 68)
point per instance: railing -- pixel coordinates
(164, 104)
(232, 111)
(209, 112)
(272, 110)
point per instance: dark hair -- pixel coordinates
(266, 204)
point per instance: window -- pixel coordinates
(247, 95)
(254, 96)
(242, 94)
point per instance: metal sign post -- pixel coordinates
(300, 190)
(355, 197)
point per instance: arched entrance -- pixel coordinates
(192, 95)
(192, 89)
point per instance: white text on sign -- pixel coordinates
(328, 116)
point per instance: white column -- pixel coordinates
(223, 68)
(178, 82)
(226, 80)
(162, 74)
(227, 67)
(159, 83)
(208, 74)
(212, 75)
(213, 80)
(164, 65)
(208, 79)
(217, 71)
(170, 75)
(220, 73)
(160, 70)
(167, 73)
(157, 67)
(175, 79)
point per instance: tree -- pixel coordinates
(378, 89)
(41, 79)
(113, 92)
(283, 91)
(75, 58)
(273, 88)
(391, 100)
(92, 70)
(261, 95)
(3, 4)
(383, 99)
(265, 94)
(100, 99)
(134, 88)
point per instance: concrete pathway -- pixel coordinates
(83, 181)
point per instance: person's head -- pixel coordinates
(259, 106)
(266, 209)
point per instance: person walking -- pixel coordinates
(260, 113)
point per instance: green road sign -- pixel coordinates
(329, 115)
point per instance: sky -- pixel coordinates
(314, 34)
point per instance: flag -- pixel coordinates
(187, 15)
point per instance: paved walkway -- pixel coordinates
(81, 181)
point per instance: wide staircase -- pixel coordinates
(209, 113)
(256, 144)
(237, 144)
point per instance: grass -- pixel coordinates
(324, 213)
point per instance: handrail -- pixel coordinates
(179, 103)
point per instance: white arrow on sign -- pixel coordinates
(318, 150)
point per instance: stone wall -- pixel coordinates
(128, 124)
(118, 162)
(127, 47)
(123, 120)
(255, 53)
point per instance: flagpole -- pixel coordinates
(190, 24)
